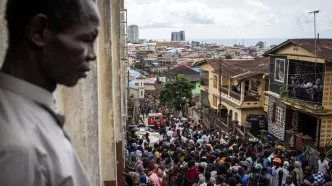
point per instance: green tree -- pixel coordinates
(177, 93)
(228, 56)
(260, 44)
(140, 65)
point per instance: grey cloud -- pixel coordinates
(157, 25)
(199, 20)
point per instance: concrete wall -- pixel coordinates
(3, 32)
(149, 86)
(196, 89)
(80, 105)
(135, 92)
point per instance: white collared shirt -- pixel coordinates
(323, 166)
(33, 148)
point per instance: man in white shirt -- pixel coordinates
(323, 164)
(51, 42)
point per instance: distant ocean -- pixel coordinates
(246, 42)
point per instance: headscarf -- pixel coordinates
(298, 170)
(139, 168)
(286, 164)
(135, 177)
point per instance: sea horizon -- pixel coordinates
(245, 41)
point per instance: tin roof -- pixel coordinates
(240, 69)
(324, 47)
(187, 71)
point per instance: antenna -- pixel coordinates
(315, 12)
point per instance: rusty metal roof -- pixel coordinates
(240, 69)
(187, 71)
(324, 47)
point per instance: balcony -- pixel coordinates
(309, 95)
(250, 98)
(235, 95)
(224, 89)
(204, 81)
(252, 101)
(304, 85)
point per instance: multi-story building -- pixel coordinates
(182, 35)
(300, 91)
(168, 44)
(175, 36)
(133, 33)
(234, 86)
(178, 36)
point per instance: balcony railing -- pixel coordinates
(204, 81)
(235, 95)
(311, 95)
(251, 98)
(224, 89)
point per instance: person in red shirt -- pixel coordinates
(192, 173)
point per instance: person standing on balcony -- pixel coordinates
(51, 42)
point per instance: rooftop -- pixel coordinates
(238, 69)
(324, 46)
(182, 68)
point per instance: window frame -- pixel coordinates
(275, 69)
(279, 114)
(215, 101)
(215, 81)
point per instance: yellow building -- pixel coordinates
(168, 44)
(300, 92)
(235, 85)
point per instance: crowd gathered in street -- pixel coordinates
(189, 153)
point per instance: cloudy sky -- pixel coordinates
(218, 19)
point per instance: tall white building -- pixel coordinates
(133, 33)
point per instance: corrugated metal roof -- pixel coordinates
(240, 69)
(187, 71)
(324, 47)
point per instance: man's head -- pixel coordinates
(207, 176)
(289, 179)
(307, 171)
(58, 36)
(322, 156)
(315, 168)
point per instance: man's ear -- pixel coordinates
(38, 30)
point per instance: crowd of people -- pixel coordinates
(190, 154)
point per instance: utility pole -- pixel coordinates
(315, 12)
(219, 105)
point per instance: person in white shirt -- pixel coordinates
(289, 181)
(322, 164)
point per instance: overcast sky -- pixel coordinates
(218, 19)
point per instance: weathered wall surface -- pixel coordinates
(3, 31)
(80, 106)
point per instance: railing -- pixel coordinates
(252, 98)
(224, 89)
(235, 95)
(204, 81)
(310, 95)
